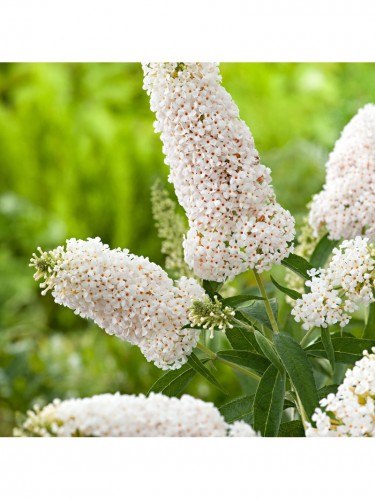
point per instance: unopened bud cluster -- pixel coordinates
(46, 265)
(210, 314)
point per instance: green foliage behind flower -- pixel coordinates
(78, 157)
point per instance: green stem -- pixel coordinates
(206, 350)
(305, 339)
(301, 410)
(367, 314)
(213, 356)
(251, 329)
(241, 369)
(247, 327)
(263, 292)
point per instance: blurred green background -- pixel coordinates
(78, 156)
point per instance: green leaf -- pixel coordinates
(173, 382)
(340, 334)
(269, 402)
(245, 358)
(199, 367)
(240, 300)
(242, 339)
(211, 287)
(288, 291)
(257, 312)
(299, 370)
(322, 251)
(238, 409)
(288, 404)
(297, 264)
(328, 389)
(268, 350)
(348, 350)
(369, 331)
(292, 429)
(328, 346)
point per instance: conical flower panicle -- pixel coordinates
(346, 205)
(116, 415)
(234, 219)
(126, 295)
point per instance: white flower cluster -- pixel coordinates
(126, 295)
(338, 290)
(350, 412)
(234, 219)
(346, 205)
(116, 415)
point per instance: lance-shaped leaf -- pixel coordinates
(369, 331)
(174, 382)
(199, 367)
(299, 370)
(238, 409)
(211, 288)
(269, 402)
(240, 300)
(288, 404)
(242, 339)
(257, 312)
(322, 251)
(268, 350)
(328, 389)
(292, 429)
(297, 264)
(249, 359)
(347, 350)
(288, 291)
(328, 346)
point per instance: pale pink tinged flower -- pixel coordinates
(234, 219)
(126, 295)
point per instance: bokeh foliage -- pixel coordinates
(77, 158)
